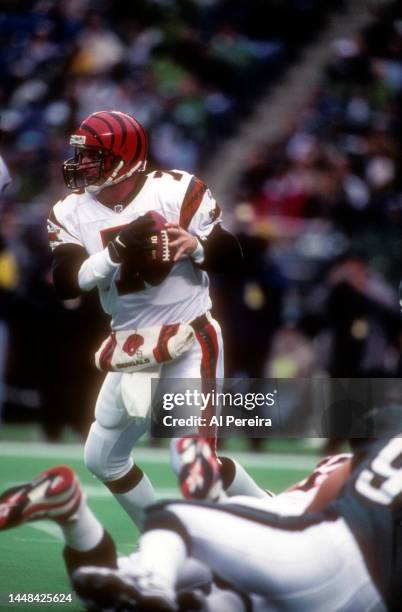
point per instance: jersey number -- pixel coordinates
(129, 282)
(383, 471)
(177, 176)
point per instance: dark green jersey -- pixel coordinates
(371, 504)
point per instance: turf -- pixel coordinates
(30, 556)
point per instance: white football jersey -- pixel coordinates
(179, 197)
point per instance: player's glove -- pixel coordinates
(131, 240)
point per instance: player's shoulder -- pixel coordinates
(63, 223)
(170, 187)
(170, 179)
(67, 206)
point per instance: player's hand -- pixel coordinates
(180, 240)
(131, 239)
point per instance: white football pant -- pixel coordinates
(114, 433)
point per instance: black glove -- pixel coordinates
(131, 240)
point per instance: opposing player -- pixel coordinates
(345, 557)
(100, 237)
(200, 478)
(56, 495)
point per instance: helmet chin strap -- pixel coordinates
(94, 189)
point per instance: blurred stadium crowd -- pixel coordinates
(319, 212)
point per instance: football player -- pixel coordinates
(98, 237)
(200, 478)
(347, 556)
(56, 494)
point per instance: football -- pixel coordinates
(157, 260)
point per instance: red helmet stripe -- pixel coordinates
(109, 125)
(93, 133)
(120, 121)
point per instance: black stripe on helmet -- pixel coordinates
(141, 139)
(120, 121)
(109, 125)
(93, 132)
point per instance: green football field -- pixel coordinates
(30, 556)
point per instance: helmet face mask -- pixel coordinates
(88, 167)
(110, 146)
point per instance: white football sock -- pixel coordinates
(82, 531)
(162, 554)
(137, 499)
(243, 484)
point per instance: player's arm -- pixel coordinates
(330, 487)
(73, 270)
(220, 251)
(66, 262)
(324, 484)
(200, 235)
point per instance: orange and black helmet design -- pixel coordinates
(110, 146)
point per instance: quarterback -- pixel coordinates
(145, 242)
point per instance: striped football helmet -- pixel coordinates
(110, 146)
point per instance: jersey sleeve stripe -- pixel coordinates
(54, 219)
(192, 201)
